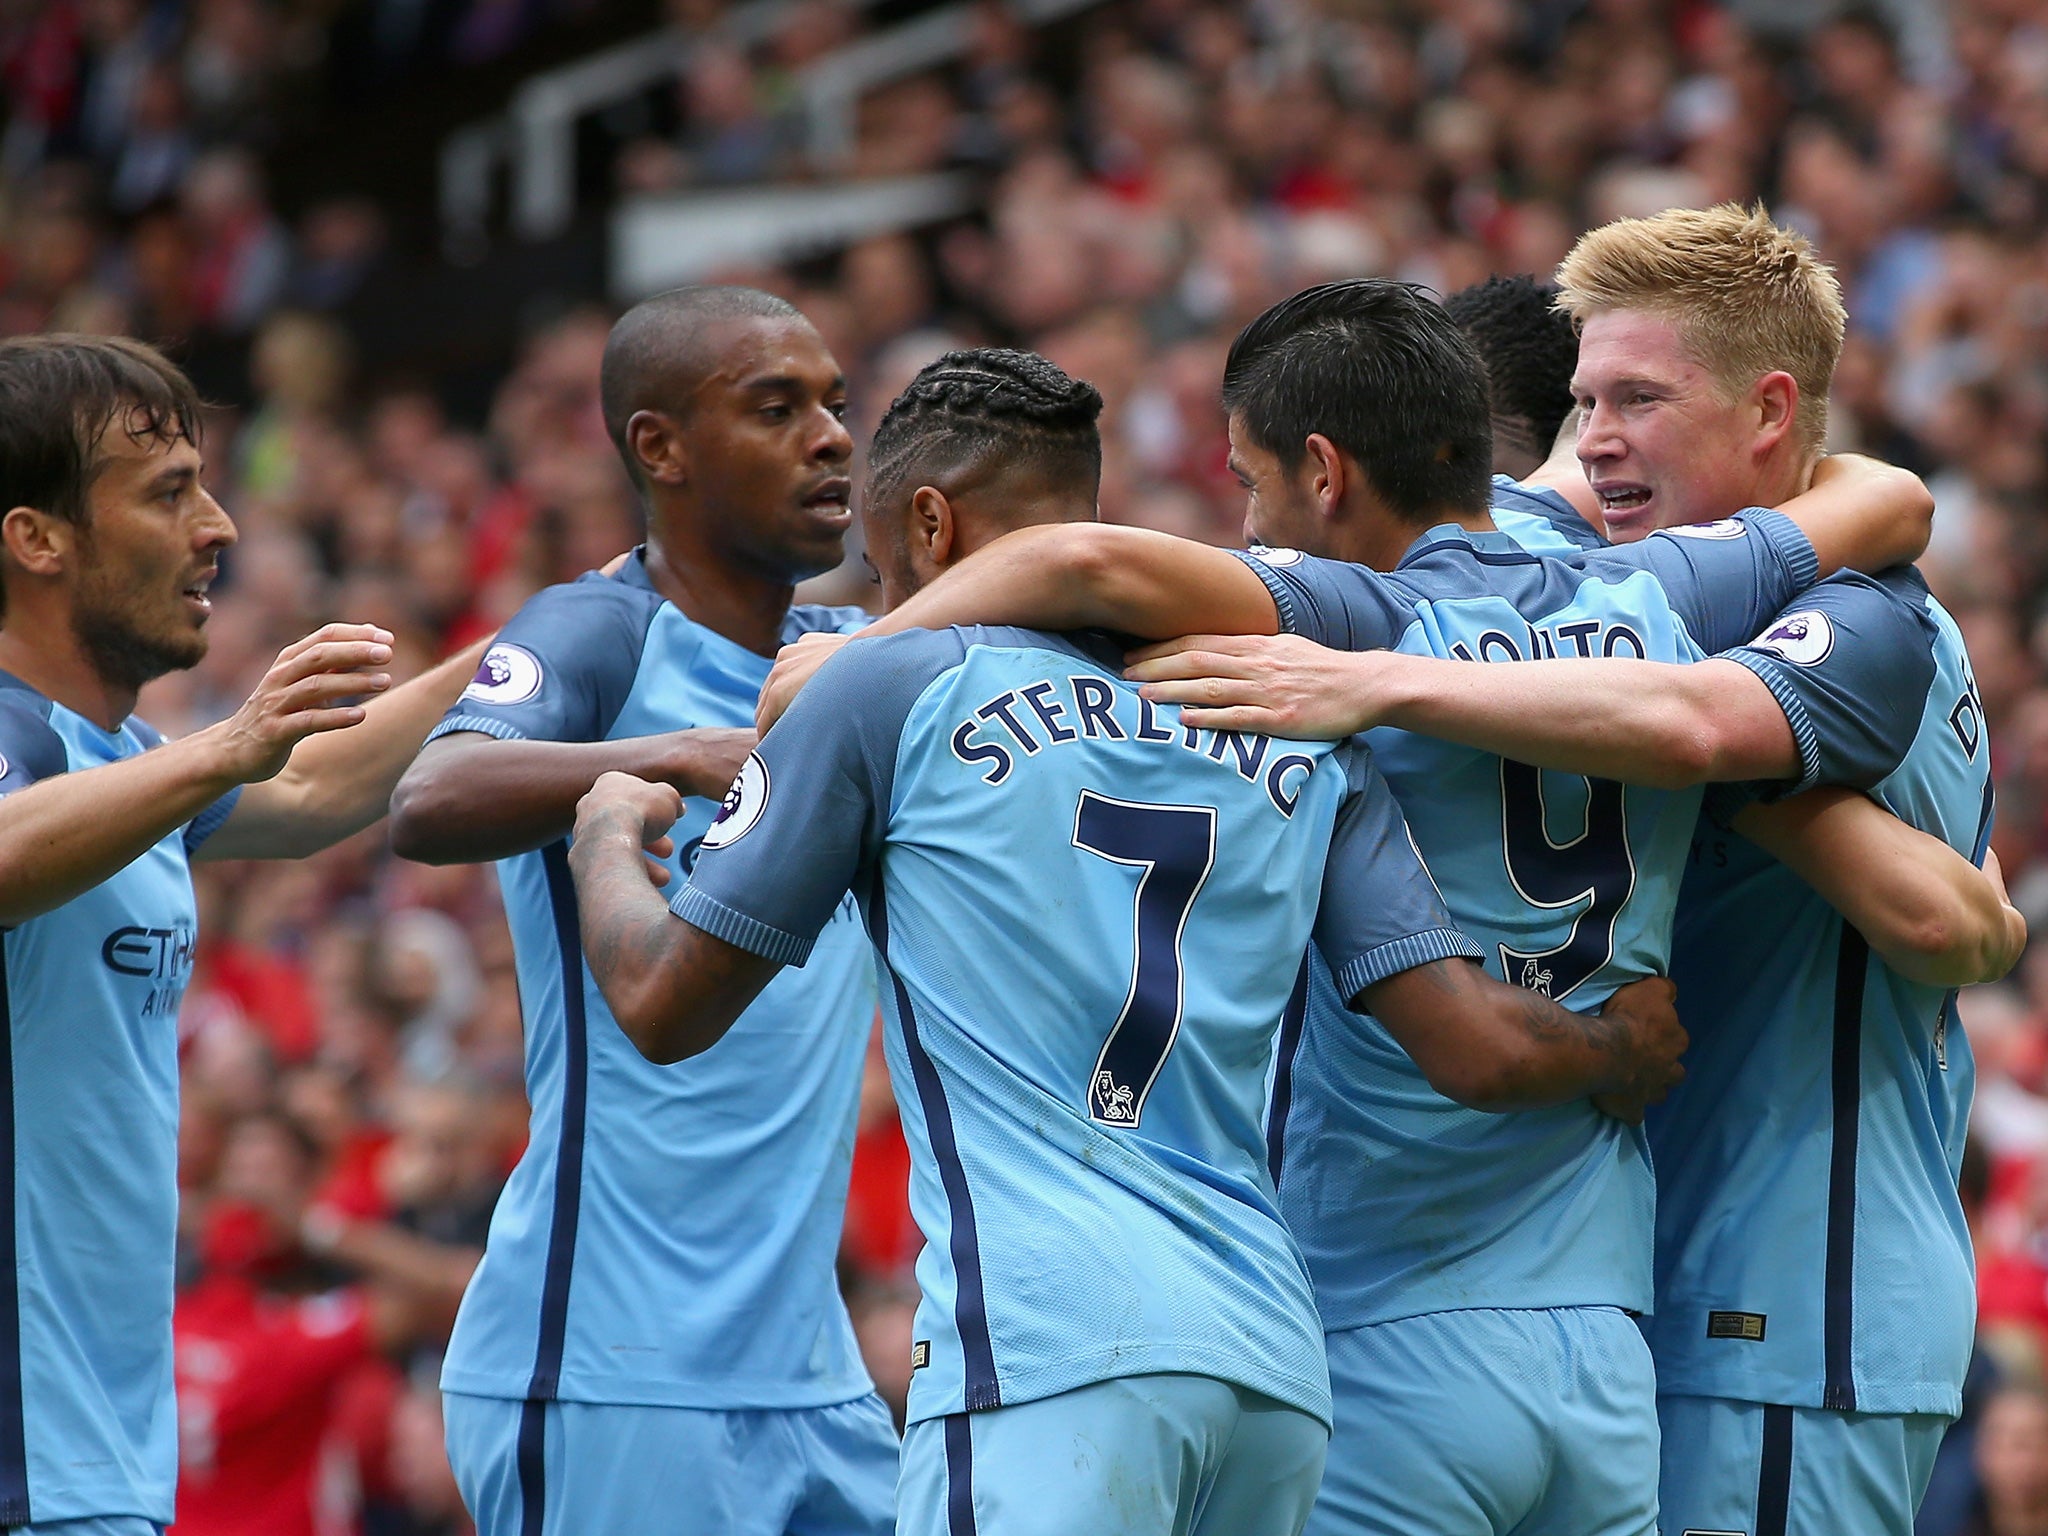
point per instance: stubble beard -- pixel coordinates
(120, 652)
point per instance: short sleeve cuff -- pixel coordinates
(456, 724)
(210, 820)
(1376, 965)
(1790, 544)
(1804, 736)
(1283, 595)
(751, 934)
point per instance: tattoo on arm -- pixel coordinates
(1548, 1020)
(627, 927)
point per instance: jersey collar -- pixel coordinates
(634, 572)
(1490, 543)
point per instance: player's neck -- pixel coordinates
(747, 607)
(1563, 473)
(1379, 539)
(1781, 477)
(57, 666)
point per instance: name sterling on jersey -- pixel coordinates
(1087, 708)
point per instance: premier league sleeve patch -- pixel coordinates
(1726, 528)
(1803, 638)
(508, 674)
(743, 804)
(1274, 557)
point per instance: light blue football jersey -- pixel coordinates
(1540, 520)
(670, 1234)
(1811, 1247)
(1091, 919)
(89, 1127)
(1406, 1203)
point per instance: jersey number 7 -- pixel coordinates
(1175, 847)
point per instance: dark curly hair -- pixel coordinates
(983, 404)
(1529, 349)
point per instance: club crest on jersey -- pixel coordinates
(1804, 639)
(1274, 557)
(508, 674)
(1725, 528)
(743, 804)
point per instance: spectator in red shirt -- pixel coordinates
(264, 1341)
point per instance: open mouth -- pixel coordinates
(199, 593)
(1620, 500)
(832, 499)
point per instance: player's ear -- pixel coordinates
(1776, 399)
(1328, 475)
(35, 541)
(656, 444)
(932, 524)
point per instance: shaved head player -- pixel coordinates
(655, 1339)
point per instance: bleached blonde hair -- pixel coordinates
(1748, 298)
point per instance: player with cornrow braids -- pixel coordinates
(999, 439)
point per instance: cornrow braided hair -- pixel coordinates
(987, 401)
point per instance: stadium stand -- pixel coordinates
(343, 219)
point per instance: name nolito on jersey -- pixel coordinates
(161, 956)
(997, 731)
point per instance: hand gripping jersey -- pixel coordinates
(89, 996)
(1091, 919)
(669, 1235)
(1406, 1203)
(1811, 1249)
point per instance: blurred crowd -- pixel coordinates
(1158, 171)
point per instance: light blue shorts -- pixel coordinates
(1138, 1456)
(1773, 1471)
(562, 1469)
(98, 1525)
(1481, 1422)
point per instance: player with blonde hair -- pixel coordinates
(1710, 336)
(1813, 1288)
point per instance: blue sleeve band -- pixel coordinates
(1283, 595)
(1789, 542)
(1796, 716)
(209, 821)
(1392, 959)
(455, 725)
(736, 928)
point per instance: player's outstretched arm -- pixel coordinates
(66, 834)
(1094, 576)
(1925, 910)
(674, 989)
(1863, 514)
(1642, 722)
(470, 798)
(1494, 1047)
(334, 785)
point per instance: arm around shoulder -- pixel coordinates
(1863, 514)
(1095, 576)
